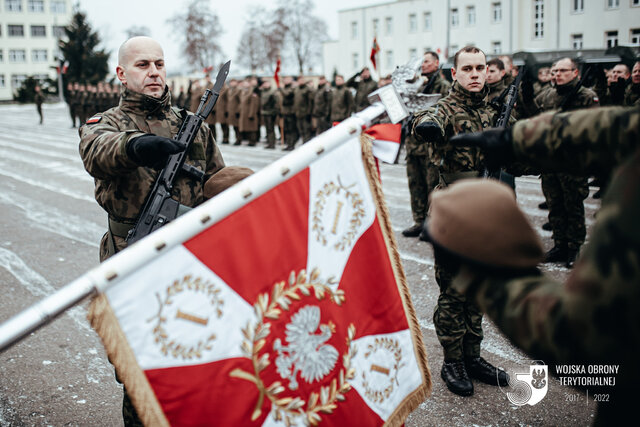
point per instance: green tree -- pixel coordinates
(86, 62)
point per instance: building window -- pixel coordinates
(634, 37)
(36, 5)
(538, 19)
(354, 30)
(413, 23)
(388, 25)
(39, 55)
(471, 15)
(613, 4)
(576, 41)
(13, 5)
(426, 18)
(58, 31)
(496, 47)
(611, 38)
(1, 55)
(635, 3)
(38, 31)
(376, 26)
(496, 12)
(455, 19)
(390, 62)
(413, 53)
(577, 6)
(17, 79)
(58, 6)
(356, 61)
(17, 55)
(2, 83)
(16, 31)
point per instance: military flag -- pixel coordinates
(386, 141)
(276, 74)
(290, 309)
(374, 52)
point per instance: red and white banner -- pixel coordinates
(292, 310)
(386, 141)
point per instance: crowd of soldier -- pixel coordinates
(86, 99)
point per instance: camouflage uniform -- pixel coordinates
(565, 193)
(222, 114)
(302, 103)
(496, 89)
(363, 88)
(249, 122)
(422, 173)
(322, 108)
(39, 99)
(233, 111)
(70, 95)
(593, 318)
(290, 128)
(632, 94)
(342, 105)
(122, 186)
(457, 320)
(269, 111)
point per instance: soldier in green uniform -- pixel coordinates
(123, 148)
(233, 108)
(68, 97)
(422, 172)
(39, 99)
(342, 105)
(495, 78)
(364, 85)
(268, 112)
(302, 103)
(632, 94)
(458, 321)
(565, 193)
(290, 127)
(249, 121)
(593, 318)
(321, 106)
(544, 80)
(221, 113)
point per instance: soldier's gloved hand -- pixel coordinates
(496, 144)
(151, 150)
(428, 131)
(617, 90)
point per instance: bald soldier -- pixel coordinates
(124, 147)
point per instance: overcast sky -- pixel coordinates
(112, 18)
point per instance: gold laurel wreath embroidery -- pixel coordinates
(288, 409)
(160, 333)
(393, 347)
(356, 219)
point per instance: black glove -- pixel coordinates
(428, 131)
(617, 90)
(151, 150)
(527, 90)
(496, 144)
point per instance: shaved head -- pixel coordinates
(135, 44)
(141, 66)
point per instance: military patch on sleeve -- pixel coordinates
(94, 119)
(595, 99)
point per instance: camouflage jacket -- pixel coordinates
(632, 94)
(552, 99)
(302, 101)
(363, 89)
(496, 89)
(438, 85)
(121, 186)
(342, 105)
(268, 102)
(286, 100)
(459, 112)
(593, 318)
(322, 102)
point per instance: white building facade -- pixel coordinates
(407, 28)
(29, 33)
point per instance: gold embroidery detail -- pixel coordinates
(391, 346)
(288, 409)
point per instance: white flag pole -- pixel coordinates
(124, 263)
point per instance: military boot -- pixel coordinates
(413, 231)
(484, 371)
(455, 376)
(556, 254)
(572, 254)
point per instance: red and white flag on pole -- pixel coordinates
(386, 141)
(292, 310)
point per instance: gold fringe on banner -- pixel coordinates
(413, 400)
(105, 323)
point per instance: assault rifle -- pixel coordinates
(160, 208)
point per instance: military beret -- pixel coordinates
(479, 220)
(224, 179)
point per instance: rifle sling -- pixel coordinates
(121, 229)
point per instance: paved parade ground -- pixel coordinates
(50, 227)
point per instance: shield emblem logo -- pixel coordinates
(529, 388)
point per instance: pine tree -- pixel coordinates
(86, 63)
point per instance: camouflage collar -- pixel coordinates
(136, 102)
(567, 88)
(470, 99)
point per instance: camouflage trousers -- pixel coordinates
(304, 128)
(269, 121)
(565, 196)
(322, 125)
(290, 130)
(423, 177)
(457, 320)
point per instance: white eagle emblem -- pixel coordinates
(306, 352)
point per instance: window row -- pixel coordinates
(55, 6)
(17, 30)
(577, 6)
(20, 55)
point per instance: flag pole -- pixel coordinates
(122, 264)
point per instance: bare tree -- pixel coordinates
(261, 41)
(137, 30)
(304, 32)
(199, 29)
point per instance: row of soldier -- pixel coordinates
(86, 99)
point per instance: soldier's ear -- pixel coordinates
(453, 73)
(121, 74)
